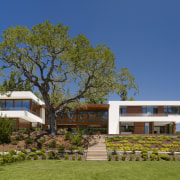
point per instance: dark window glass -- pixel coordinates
(92, 116)
(62, 117)
(123, 111)
(71, 116)
(103, 116)
(18, 105)
(26, 105)
(9, 105)
(82, 116)
(2, 105)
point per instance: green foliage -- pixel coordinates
(66, 157)
(153, 157)
(14, 143)
(22, 156)
(52, 144)
(115, 152)
(80, 150)
(39, 145)
(6, 128)
(73, 158)
(67, 136)
(12, 152)
(29, 140)
(123, 158)
(155, 152)
(61, 149)
(42, 140)
(137, 158)
(34, 155)
(51, 154)
(24, 151)
(165, 157)
(43, 157)
(33, 149)
(116, 158)
(131, 158)
(43, 150)
(72, 148)
(174, 158)
(109, 157)
(79, 158)
(58, 157)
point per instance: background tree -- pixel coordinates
(63, 69)
(15, 83)
(6, 128)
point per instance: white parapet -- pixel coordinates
(23, 115)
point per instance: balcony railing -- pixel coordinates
(145, 115)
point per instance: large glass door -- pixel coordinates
(146, 128)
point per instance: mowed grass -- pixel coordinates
(85, 170)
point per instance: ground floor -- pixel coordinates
(147, 128)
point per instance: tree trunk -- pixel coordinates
(52, 120)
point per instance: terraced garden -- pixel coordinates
(139, 143)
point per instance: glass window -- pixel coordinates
(103, 116)
(171, 110)
(9, 105)
(92, 116)
(2, 105)
(71, 116)
(123, 111)
(26, 105)
(62, 117)
(82, 116)
(17, 105)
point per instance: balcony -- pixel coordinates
(139, 117)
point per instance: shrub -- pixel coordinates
(22, 156)
(77, 140)
(79, 158)
(109, 157)
(40, 153)
(14, 143)
(131, 158)
(158, 158)
(33, 154)
(43, 150)
(155, 152)
(133, 151)
(43, 140)
(33, 149)
(43, 157)
(29, 140)
(52, 144)
(115, 152)
(72, 148)
(73, 158)
(67, 136)
(58, 157)
(116, 158)
(153, 157)
(123, 158)
(12, 152)
(165, 157)
(80, 150)
(137, 158)
(51, 154)
(66, 157)
(24, 151)
(174, 158)
(61, 149)
(18, 138)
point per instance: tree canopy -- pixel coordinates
(63, 69)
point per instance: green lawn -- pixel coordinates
(83, 170)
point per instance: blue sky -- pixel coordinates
(144, 35)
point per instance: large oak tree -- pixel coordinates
(61, 68)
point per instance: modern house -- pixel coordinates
(117, 117)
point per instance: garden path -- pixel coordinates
(97, 149)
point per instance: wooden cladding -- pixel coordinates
(139, 127)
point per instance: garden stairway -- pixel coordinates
(97, 149)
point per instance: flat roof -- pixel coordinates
(145, 103)
(21, 95)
